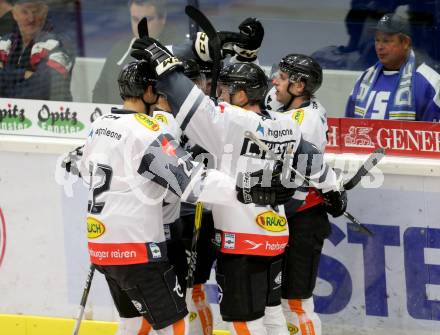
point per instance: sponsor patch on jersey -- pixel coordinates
(271, 221)
(155, 250)
(147, 121)
(161, 118)
(95, 228)
(229, 241)
(298, 116)
(292, 328)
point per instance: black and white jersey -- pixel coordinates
(244, 229)
(131, 164)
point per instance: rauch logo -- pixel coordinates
(13, 118)
(271, 221)
(2, 236)
(62, 122)
(95, 228)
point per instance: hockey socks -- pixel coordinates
(200, 314)
(301, 317)
(274, 321)
(140, 326)
(254, 327)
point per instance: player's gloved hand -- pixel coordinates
(159, 57)
(71, 160)
(204, 50)
(251, 188)
(335, 202)
(253, 31)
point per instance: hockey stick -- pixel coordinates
(355, 223)
(214, 41)
(193, 26)
(369, 163)
(193, 256)
(143, 28)
(84, 297)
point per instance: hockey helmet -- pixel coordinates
(134, 78)
(245, 76)
(302, 67)
(191, 69)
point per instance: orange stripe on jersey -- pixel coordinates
(145, 328)
(179, 327)
(241, 328)
(305, 324)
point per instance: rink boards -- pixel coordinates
(389, 284)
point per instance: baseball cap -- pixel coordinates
(393, 23)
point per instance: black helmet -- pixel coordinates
(134, 79)
(245, 76)
(302, 67)
(191, 69)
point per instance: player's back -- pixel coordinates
(125, 208)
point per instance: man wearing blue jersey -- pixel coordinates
(396, 87)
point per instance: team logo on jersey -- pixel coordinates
(95, 228)
(13, 118)
(2, 237)
(61, 121)
(252, 150)
(271, 221)
(260, 129)
(298, 116)
(292, 328)
(147, 121)
(161, 118)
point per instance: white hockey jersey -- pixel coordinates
(171, 204)
(312, 119)
(241, 229)
(130, 163)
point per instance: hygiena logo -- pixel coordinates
(62, 121)
(2, 236)
(13, 118)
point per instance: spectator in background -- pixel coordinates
(6, 19)
(106, 91)
(33, 61)
(397, 87)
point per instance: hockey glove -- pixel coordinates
(251, 188)
(71, 160)
(254, 31)
(335, 202)
(228, 40)
(160, 58)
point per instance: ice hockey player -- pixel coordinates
(245, 85)
(130, 163)
(248, 236)
(299, 77)
(200, 312)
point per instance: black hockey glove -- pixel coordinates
(71, 160)
(335, 202)
(253, 30)
(160, 58)
(251, 188)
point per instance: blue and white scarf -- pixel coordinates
(401, 105)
